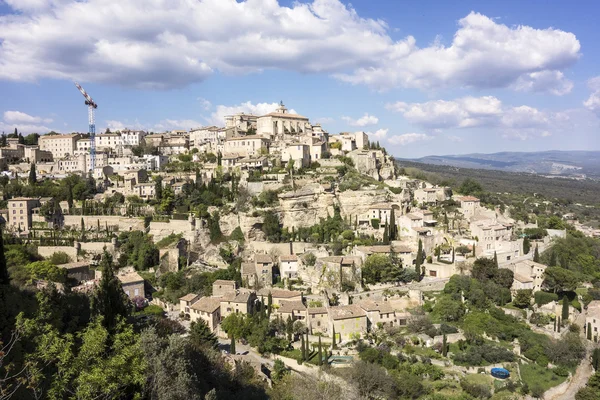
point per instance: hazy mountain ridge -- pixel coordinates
(574, 164)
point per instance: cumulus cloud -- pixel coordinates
(205, 104)
(218, 117)
(362, 121)
(174, 43)
(16, 117)
(408, 138)
(378, 134)
(24, 123)
(593, 102)
(324, 120)
(460, 113)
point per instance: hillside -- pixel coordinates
(552, 163)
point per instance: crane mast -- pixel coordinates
(91, 124)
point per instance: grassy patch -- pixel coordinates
(534, 375)
(168, 240)
(421, 351)
(582, 291)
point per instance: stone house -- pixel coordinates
(20, 211)
(527, 275)
(240, 302)
(288, 266)
(592, 319)
(469, 205)
(280, 295)
(296, 310)
(207, 309)
(246, 145)
(221, 286)
(298, 152)
(80, 271)
(186, 302)
(318, 320)
(264, 269)
(347, 322)
(379, 313)
(133, 284)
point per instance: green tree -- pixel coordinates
(522, 298)
(271, 226)
(386, 233)
(588, 331)
(279, 371)
(201, 335)
(496, 260)
(470, 187)
(536, 255)
(269, 305)
(47, 271)
(552, 262)
(558, 279)
(565, 309)
(109, 300)
(32, 175)
(4, 278)
(302, 348)
(320, 355)
(393, 233)
(444, 345)
(232, 345)
(158, 189)
(526, 245)
(448, 308)
(419, 260)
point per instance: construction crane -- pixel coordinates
(92, 124)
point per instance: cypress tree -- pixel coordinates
(589, 331)
(232, 345)
(3, 141)
(453, 254)
(392, 233)
(552, 259)
(333, 338)
(158, 188)
(554, 323)
(473, 249)
(4, 278)
(558, 324)
(269, 305)
(320, 353)
(307, 347)
(109, 299)
(386, 234)
(302, 348)
(596, 359)
(419, 260)
(32, 175)
(82, 230)
(496, 260)
(565, 309)
(444, 345)
(526, 245)
(536, 255)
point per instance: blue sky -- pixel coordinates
(422, 77)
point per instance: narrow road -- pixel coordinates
(582, 374)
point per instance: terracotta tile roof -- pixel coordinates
(207, 304)
(345, 312)
(263, 258)
(74, 265)
(189, 297)
(381, 306)
(317, 310)
(289, 306)
(469, 198)
(279, 293)
(224, 282)
(132, 277)
(248, 268)
(290, 257)
(523, 279)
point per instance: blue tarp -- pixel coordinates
(501, 373)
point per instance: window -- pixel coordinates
(136, 292)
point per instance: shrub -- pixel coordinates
(375, 223)
(542, 298)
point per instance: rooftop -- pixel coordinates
(224, 282)
(263, 258)
(317, 310)
(279, 293)
(132, 277)
(289, 306)
(345, 312)
(248, 268)
(469, 198)
(289, 257)
(74, 265)
(189, 297)
(207, 304)
(381, 306)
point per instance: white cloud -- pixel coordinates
(362, 121)
(378, 134)
(464, 112)
(175, 124)
(174, 43)
(408, 138)
(593, 102)
(454, 138)
(24, 123)
(17, 117)
(324, 120)
(218, 117)
(544, 81)
(483, 54)
(205, 104)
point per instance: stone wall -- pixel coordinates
(97, 247)
(47, 251)
(123, 223)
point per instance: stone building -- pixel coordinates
(133, 284)
(207, 309)
(59, 145)
(20, 211)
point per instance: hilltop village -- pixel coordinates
(306, 255)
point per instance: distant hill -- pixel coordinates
(572, 164)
